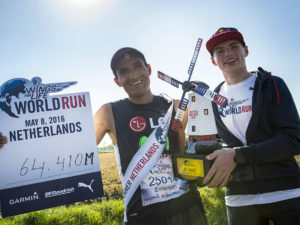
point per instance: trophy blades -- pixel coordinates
(180, 113)
(168, 79)
(211, 95)
(195, 56)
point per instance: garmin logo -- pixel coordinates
(33, 197)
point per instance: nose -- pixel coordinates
(132, 74)
(228, 51)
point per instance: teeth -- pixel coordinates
(230, 61)
(136, 83)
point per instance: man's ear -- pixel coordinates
(149, 68)
(117, 82)
(213, 61)
(246, 51)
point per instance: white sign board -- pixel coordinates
(51, 156)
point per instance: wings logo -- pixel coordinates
(138, 124)
(14, 89)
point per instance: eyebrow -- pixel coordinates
(136, 63)
(232, 43)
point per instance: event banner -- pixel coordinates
(51, 157)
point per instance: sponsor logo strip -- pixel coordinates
(18, 200)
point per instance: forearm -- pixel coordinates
(181, 140)
(275, 149)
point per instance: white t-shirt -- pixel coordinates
(236, 117)
(238, 112)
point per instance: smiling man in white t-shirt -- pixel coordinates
(261, 126)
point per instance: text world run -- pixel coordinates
(49, 104)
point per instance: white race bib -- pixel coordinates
(160, 184)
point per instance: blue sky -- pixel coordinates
(74, 40)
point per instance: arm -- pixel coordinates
(104, 123)
(181, 131)
(3, 140)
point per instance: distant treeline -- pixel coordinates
(106, 148)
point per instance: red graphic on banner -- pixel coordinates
(138, 124)
(193, 114)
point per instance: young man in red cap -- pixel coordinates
(261, 126)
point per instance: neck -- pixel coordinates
(236, 77)
(145, 99)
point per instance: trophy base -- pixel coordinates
(191, 167)
(195, 167)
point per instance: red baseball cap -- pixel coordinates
(224, 34)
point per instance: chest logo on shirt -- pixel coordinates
(235, 107)
(138, 124)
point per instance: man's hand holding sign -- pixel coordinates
(52, 143)
(3, 140)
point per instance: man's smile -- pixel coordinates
(134, 83)
(230, 61)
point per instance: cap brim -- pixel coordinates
(211, 43)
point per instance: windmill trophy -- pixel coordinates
(201, 128)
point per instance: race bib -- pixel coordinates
(160, 184)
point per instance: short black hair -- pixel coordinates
(123, 52)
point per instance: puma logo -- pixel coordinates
(80, 184)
